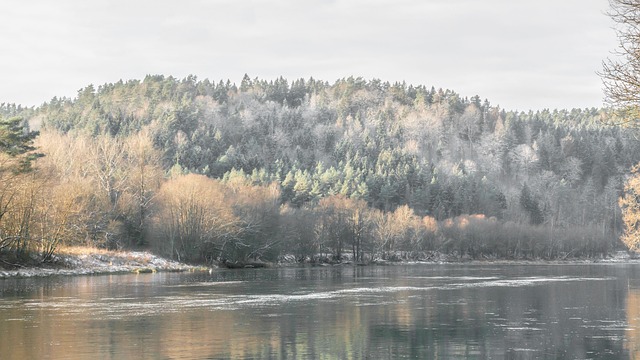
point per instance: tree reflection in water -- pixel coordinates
(422, 311)
(633, 319)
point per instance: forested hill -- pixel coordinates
(390, 145)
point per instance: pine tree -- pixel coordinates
(531, 206)
(17, 142)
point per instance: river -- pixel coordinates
(342, 312)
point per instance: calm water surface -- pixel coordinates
(414, 311)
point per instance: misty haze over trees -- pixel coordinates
(204, 172)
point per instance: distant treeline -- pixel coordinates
(206, 171)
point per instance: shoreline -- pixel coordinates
(82, 261)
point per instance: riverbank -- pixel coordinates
(93, 261)
(435, 257)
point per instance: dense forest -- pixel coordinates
(359, 169)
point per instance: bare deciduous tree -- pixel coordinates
(192, 220)
(621, 77)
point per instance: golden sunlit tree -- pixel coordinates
(193, 220)
(257, 209)
(113, 182)
(630, 205)
(144, 168)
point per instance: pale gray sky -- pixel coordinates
(519, 54)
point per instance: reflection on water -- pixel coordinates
(419, 311)
(633, 322)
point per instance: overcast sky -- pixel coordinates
(519, 54)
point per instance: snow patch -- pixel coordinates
(94, 264)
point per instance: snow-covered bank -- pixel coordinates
(81, 261)
(91, 261)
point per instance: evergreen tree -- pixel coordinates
(17, 141)
(531, 206)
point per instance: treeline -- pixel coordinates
(470, 178)
(109, 192)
